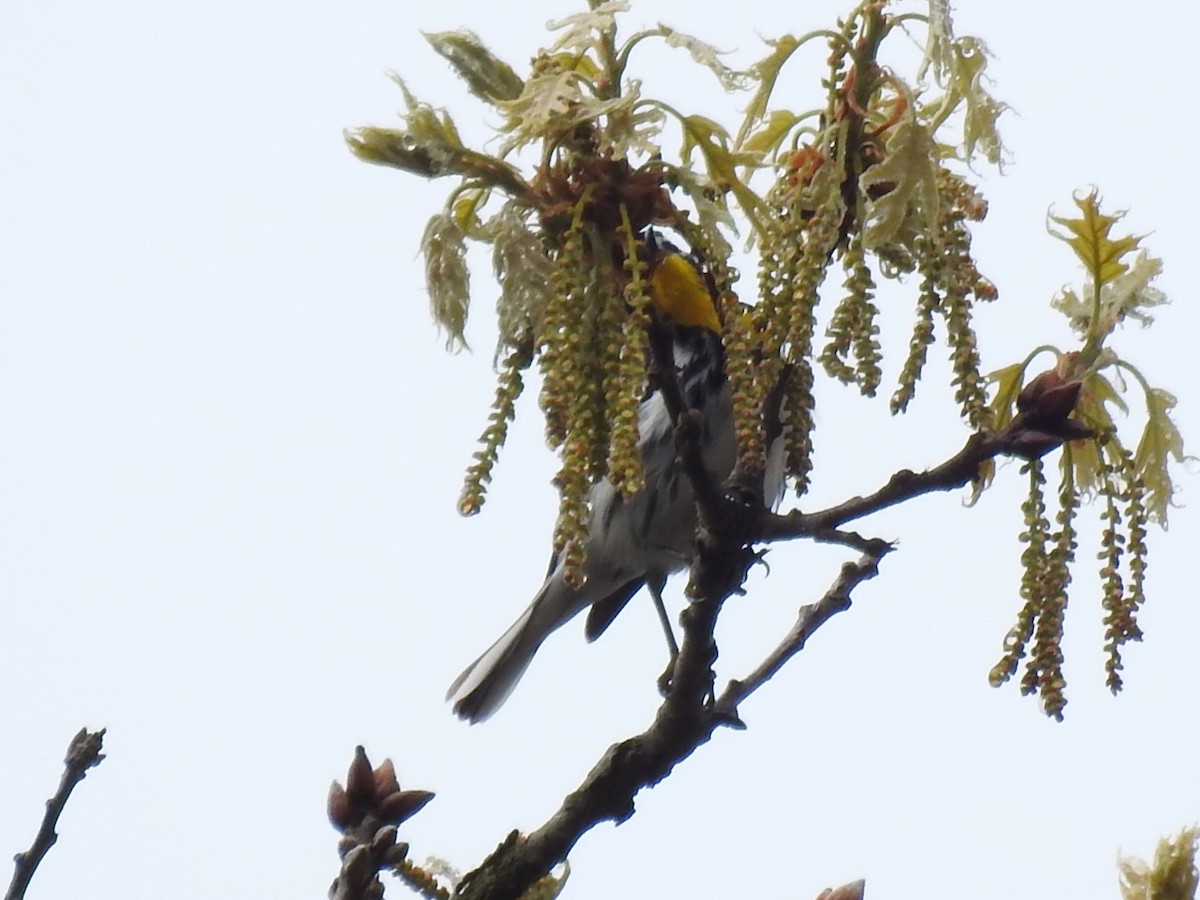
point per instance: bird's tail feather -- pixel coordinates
(485, 684)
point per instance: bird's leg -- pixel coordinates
(655, 585)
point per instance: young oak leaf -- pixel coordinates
(557, 102)
(983, 110)
(1173, 876)
(1160, 440)
(1090, 236)
(447, 278)
(765, 141)
(909, 173)
(1127, 295)
(579, 30)
(486, 75)
(711, 139)
(706, 55)
(765, 73)
(1008, 381)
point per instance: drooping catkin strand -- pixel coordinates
(510, 384)
(624, 395)
(567, 395)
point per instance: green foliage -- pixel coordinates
(1132, 487)
(445, 251)
(873, 174)
(1173, 876)
(865, 178)
(488, 78)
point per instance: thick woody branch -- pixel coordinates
(606, 794)
(82, 753)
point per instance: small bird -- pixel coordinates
(639, 540)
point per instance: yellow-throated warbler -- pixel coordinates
(638, 540)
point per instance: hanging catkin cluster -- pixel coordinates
(873, 178)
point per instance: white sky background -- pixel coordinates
(232, 444)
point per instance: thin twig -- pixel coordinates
(82, 753)
(811, 617)
(958, 471)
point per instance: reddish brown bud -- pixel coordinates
(337, 805)
(1059, 401)
(385, 779)
(384, 840)
(402, 805)
(1033, 390)
(852, 891)
(360, 779)
(1043, 422)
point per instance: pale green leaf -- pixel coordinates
(486, 76)
(766, 73)
(764, 142)
(980, 131)
(556, 103)
(711, 209)
(447, 278)
(633, 127)
(907, 185)
(959, 66)
(523, 272)
(1129, 295)
(705, 135)
(1090, 236)
(1126, 296)
(707, 56)
(429, 145)
(1173, 876)
(465, 211)
(579, 30)
(939, 42)
(1099, 390)
(1078, 310)
(1008, 385)
(1094, 408)
(1161, 442)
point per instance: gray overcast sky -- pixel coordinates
(232, 446)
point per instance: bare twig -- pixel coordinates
(82, 753)
(811, 617)
(958, 471)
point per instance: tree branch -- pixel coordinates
(686, 720)
(958, 471)
(811, 617)
(727, 532)
(82, 753)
